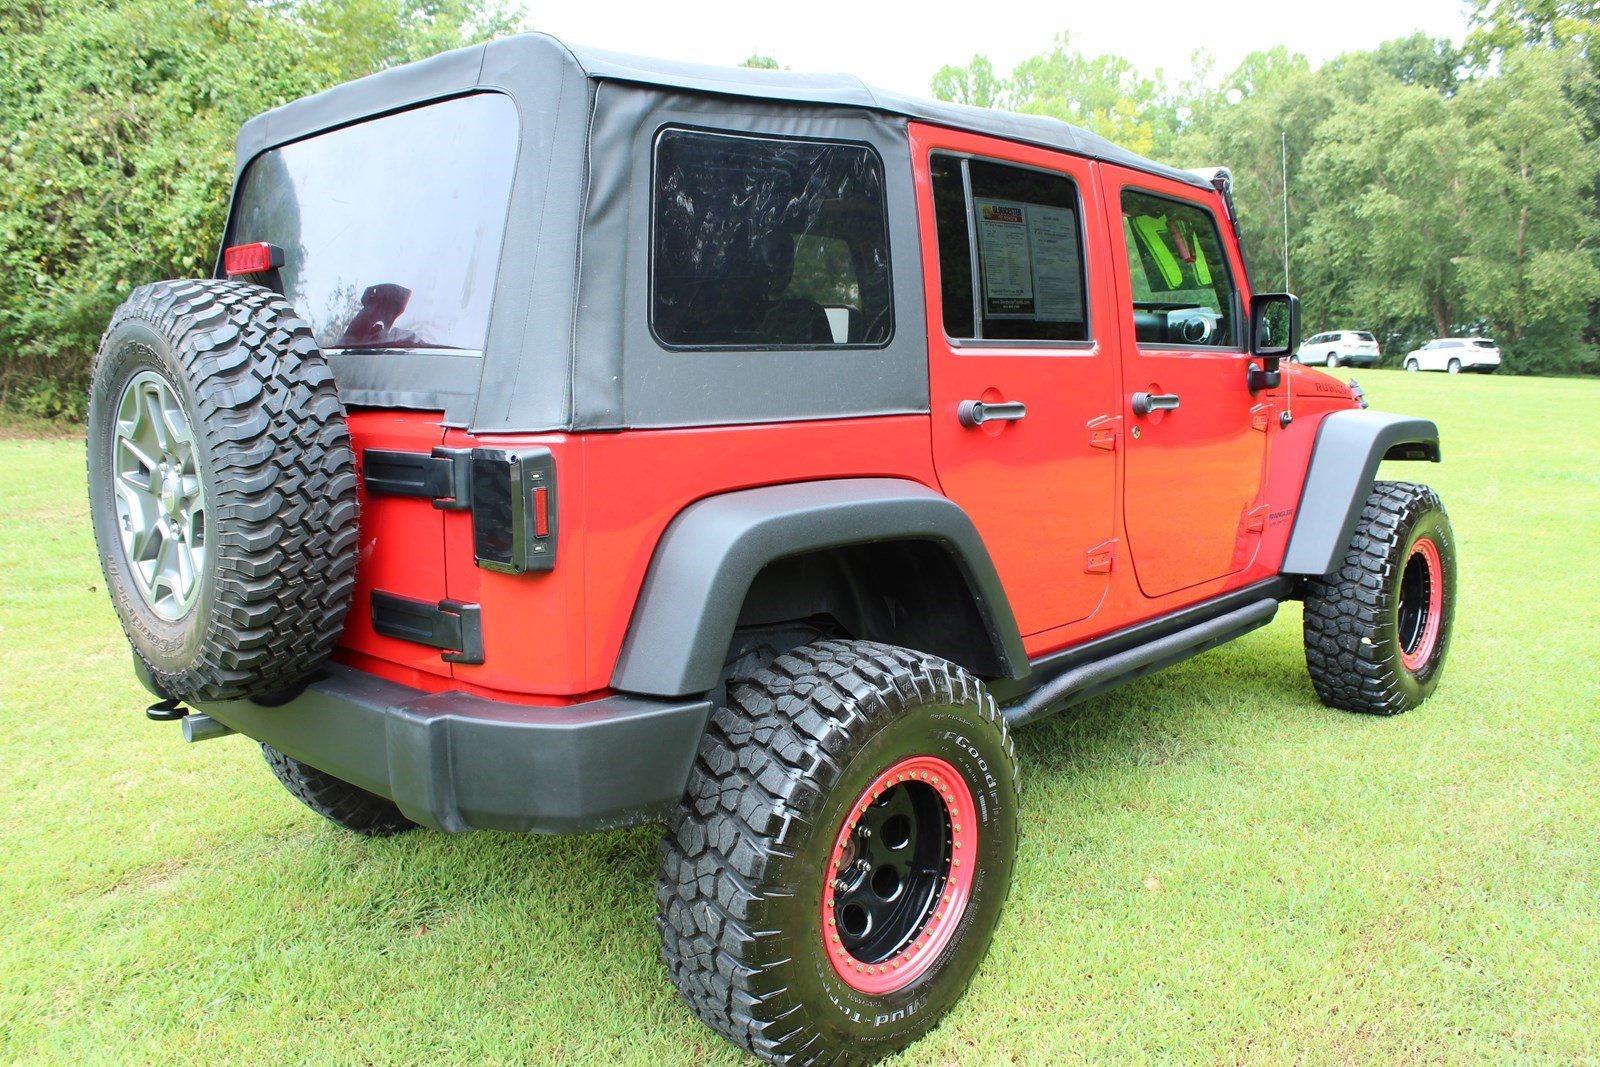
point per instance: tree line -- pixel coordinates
(1433, 188)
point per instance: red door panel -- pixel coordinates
(1042, 489)
(1193, 477)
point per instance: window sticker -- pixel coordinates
(1029, 256)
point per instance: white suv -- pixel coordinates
(1338, 348)
(1455, 354)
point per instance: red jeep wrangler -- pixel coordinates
(569, 441)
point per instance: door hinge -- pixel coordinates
(444, 477)
(451, 625)
(1105, 431)
(1256, 519)
(1261, 417)
(1099, 559)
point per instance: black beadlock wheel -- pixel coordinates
(222, 489)
(834, 875)
(1378, 629)
(336, 800)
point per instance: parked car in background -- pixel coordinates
(1340, 348)
(1455, 354)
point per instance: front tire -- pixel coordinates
(1333, 361)
(1413, 366)
(1378, 629)
(785, 927)
(1455, 366)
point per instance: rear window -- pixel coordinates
(390, 228)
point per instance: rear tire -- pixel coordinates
(1378, 629)
(1333, 361)
(756, 888)
(336, 800)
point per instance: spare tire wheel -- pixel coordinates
(222, 489)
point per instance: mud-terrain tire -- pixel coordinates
(336, 800)
(765, 860)
(250, 512)
(1377, 630)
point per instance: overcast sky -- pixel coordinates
(899, 45)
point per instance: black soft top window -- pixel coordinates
(761, 242)
(391, 228)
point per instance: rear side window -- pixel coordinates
(1183, 293)
(389, 242)
(1483, 344)
(761, 242)
(1362, 335)
(1027, 272)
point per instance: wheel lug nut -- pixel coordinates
(863, 831)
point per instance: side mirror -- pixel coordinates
(1274, 334)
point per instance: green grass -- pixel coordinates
(1215, 868)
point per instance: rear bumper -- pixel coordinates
(458, 762)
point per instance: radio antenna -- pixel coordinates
(1284, 148)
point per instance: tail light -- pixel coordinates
(514, 509)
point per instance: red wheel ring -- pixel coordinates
(936, 820)
(1421, 604)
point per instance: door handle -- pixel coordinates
(976, 412)
(1145, 403)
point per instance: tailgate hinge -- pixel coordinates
(1104, 432)
(451, 625)
(443, 477)
(1099, 559)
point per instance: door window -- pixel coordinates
(1010, 252)
(1183, 292)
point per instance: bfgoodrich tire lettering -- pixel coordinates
(746, 862)
(1377, 630)
(278, 477)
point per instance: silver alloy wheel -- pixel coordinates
(161, 504)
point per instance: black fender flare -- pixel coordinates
(706, 559)
(1344, 465)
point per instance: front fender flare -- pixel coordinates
(710, 553)
(1344, 465)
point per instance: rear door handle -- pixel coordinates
(1145, 403)
(976, 412)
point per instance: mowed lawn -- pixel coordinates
(1214, 867)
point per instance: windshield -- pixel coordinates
(390, 228)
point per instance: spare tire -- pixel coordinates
(222, 489)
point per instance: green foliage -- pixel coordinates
(117, 120)
(1432, 189)
(757, 61)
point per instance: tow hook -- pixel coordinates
(196, 727)
(168, 710)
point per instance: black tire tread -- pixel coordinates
(336, 800)
(766, 763)
(283, 498)
(1344, 610)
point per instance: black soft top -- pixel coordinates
(414, 82)
(569, 346)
